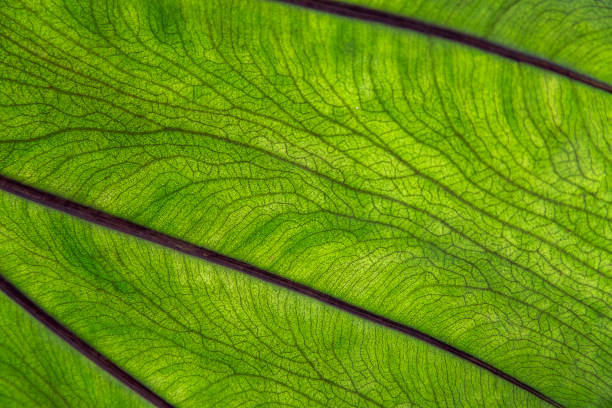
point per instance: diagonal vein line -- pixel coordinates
(127, 227)
(80, 345)
(407, 23)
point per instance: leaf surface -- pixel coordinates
(203, 335)
(448, 189)
(574, 33)
(37, 369)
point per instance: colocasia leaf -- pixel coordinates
(39, 370)
(422, 200)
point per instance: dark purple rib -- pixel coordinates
(79, 344)
(407, 23)
(128, 227)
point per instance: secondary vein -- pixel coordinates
(80, 345)
(412, 24)
(127, 227)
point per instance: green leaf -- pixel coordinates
(203, 335)
(574, 33)
(38, 369)
(448, 189)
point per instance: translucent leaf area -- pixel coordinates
(202, 335)
(37, 369)
(451, 190)
(573, 33)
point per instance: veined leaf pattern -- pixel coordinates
(202, 335)
(38, 370)
(575, 34)
(443, 187)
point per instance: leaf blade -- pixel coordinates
(105, 220)
(572, 34)
(373, 207)
(202, 335)
(39, 369)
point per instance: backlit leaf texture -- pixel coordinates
(203, 335)
(574, 33)
(446, 188)
(39, 370)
